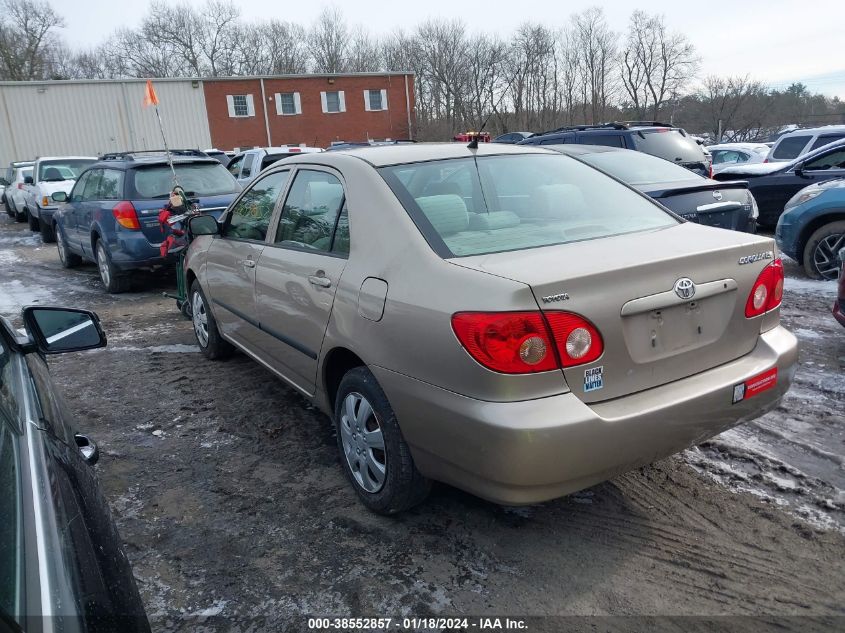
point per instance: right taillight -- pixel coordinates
(527, 342)
(767, 292)
(125, 215)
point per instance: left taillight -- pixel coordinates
(767, 292)
(125, 215)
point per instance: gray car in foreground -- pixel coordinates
(505, 319)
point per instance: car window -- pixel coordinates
(250, 216)
(53, 410)
(110, 186)
(269, 159)
(790, 147)
(638, 168)
(522, 201)
(79, 187)
(668, 144)
(92, 185)
(198, 179)
(235, 166)
(609, 140)
(65, 169)
(825, 139)
(311, 211)
(246, 170)
(832, 160)
(26, 173)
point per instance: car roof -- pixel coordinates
(384, 155)
(736, 146)
(814, 130)
(41, 159)
(578, 149)
(146, 161)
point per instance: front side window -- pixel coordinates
(92, 185)
(234, 166)
(79, 187)
(246, 170)
(311, 212)
(833, 160)
(198, 179)
(59, 170)
(824, 140)
(790, 147)
(250, 216)
(518, 202)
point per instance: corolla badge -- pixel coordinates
(717, 195)
(685, 288)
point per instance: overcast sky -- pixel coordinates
(775, 41)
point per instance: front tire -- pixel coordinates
(68, 259)
(821, 254)
(113, 281)
(47, 234)
(34, 225)
(212, 345)
(373, 452)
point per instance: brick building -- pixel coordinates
(86, 117)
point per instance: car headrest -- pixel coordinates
(447, 213)
(324, 196)
(558, 201)
(492, 221)
(442, 189)
(51, 173)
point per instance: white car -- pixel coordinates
(246, 165)
(728, 154)
(14, 194)
(49, 175)
(798, 142)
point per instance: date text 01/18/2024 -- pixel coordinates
(414, 624)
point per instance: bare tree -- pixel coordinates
(28, 39)
(597, 46)
(735, 106)
(655, 63)
(364, 53)
(330, 40)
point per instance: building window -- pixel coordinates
(375, 100)
(288, 103)
(333, 101)
(240, 105)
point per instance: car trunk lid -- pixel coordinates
(148, 211)
(625, 286)
(711, 203)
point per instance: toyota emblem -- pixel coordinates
(685, 288)
(717, 195)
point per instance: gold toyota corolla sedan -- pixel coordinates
(505, 319)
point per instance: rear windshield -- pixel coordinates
(668, 144)
(197, 179)
(58, 170)
(272, 158)
(503, 203)
(637, 168)
(790, 147)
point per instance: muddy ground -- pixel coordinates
(227, 491)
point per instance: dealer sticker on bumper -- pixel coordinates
(594, 378)
(757, 384)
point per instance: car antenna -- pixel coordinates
(473, 144)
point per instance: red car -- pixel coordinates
(465, 137)
(839, 304)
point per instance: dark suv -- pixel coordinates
(111, 215)
(651, 137)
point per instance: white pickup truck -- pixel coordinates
(49, 175)
(246, 165)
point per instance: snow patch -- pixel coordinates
(14, 295)
(177, 348)
(809, 287)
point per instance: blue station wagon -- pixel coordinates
(111, 215)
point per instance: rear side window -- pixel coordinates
(518, 202)
(824, 140)
(790, 147)
(608, 140)
(198, 179)
(670, 145)
(111, 185)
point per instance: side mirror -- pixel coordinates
(59, 196)
(4, 182)
(60, 330)
(27, 180)
(799, 170)
(203, 225)
(89, 450)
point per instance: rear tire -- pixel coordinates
(113, 281)
(34, 225)
(821, 254)
(212, 345)
(68, 259)
(373, 452)
(47, 234)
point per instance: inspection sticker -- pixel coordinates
(593, 378)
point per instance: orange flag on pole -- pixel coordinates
(150, 96)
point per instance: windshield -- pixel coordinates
(197, 179)
(502, 203)
(668, 144)
(58, 170)
(637, 168)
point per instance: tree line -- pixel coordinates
(537, 78)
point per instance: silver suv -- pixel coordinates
(798, 142)
(504, 318)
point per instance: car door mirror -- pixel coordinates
(27, 180)
(203, 225)
(60, 330)
(89, 450)
(59, 196)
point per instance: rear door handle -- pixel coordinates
(323, 282)
(247, 263)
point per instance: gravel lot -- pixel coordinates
(227, 492)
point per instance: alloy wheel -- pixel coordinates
(826, 256)
(60, 245)
(200, 319)
(363, 442)
(103, 264)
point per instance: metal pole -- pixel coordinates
(166, 149)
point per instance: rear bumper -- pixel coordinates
(535, 450)
(131, 250)
(839, 310)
